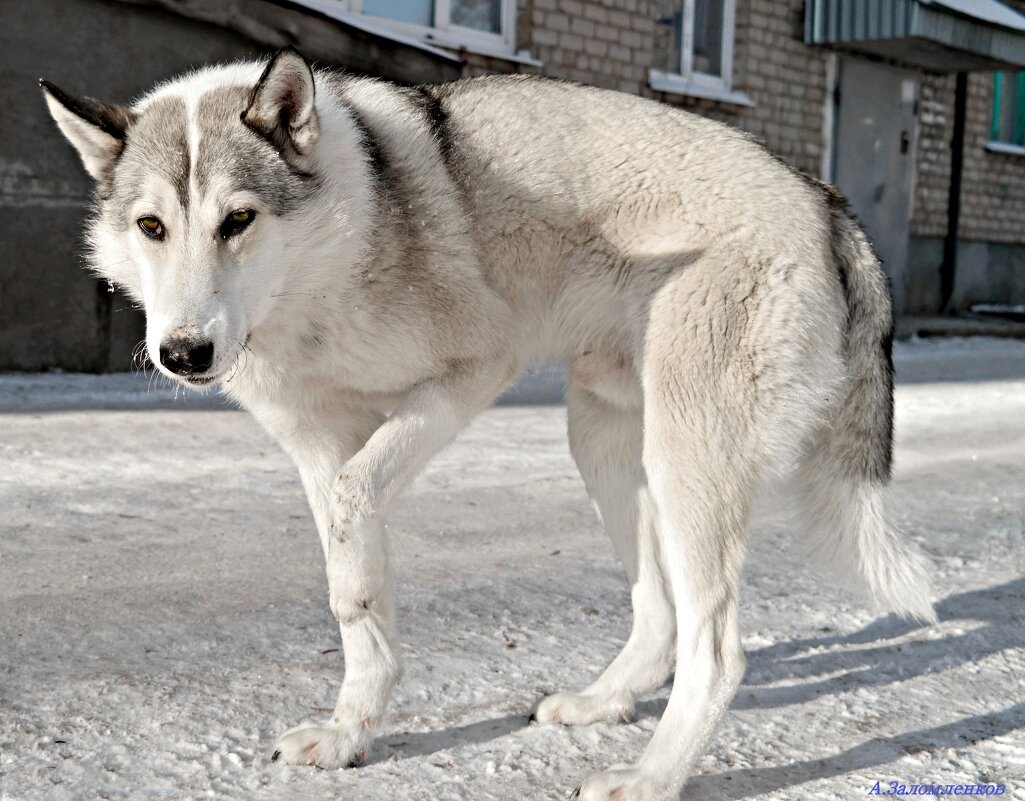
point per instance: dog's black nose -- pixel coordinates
(184, 356)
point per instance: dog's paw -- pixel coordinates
(621, 783)
(577, 709)
(323, 746)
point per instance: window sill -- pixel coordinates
(678, 85)
(482, 49)
(1005, 148)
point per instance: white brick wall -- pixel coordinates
(992, 184)
(610, 43)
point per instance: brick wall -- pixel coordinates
(993, 188)
(604, 43)
(610, 43)
(932, 168)
(993, 184)
(785, 79)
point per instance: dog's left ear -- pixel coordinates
(281, 106)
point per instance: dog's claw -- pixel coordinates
(274, 756)
(357, 760)
(574, 794)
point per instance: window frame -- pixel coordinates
(723, 82)
(455, 37)
(690, 83)
(686, 69)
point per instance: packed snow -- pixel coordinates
(163, 609)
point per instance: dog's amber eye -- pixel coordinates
(236, 222)
(152, 227)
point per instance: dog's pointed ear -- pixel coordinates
(281, 106)
(97, 130)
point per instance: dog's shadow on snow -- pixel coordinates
(879, 664)
(999, 607)
(425, 743)
(737, 784)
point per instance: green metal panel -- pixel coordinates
(998, 87)
(1019, 111)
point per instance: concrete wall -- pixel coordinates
(52, 312)
(985, 272)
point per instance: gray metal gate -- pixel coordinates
(875, 130)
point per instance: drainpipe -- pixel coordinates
(949, 266)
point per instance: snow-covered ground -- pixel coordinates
(163, 610)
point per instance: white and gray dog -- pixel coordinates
(392, 258)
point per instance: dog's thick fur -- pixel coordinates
(413, 249)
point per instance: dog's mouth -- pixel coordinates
(199, 380)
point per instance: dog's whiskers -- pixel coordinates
(241, 361)
(102, 267)
(140, 358)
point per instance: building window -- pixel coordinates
(1008, 126)
(479, 25)
(694, 43)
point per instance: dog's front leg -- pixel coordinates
(349, 509)
(360, 597)
(426, 421)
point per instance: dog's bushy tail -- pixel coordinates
(845, 471)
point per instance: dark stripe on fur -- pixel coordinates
(887, 349)
(375, 155)
(431, 100)
(113, 120)
(397, 204)
(181, 176)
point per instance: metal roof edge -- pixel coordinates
(999, 15)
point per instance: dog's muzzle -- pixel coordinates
(185, 356)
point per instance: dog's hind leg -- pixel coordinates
(606, 442)
(703, 500)
(712, 416)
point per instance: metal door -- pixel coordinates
(875, 129)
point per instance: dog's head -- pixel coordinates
(196, 187)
